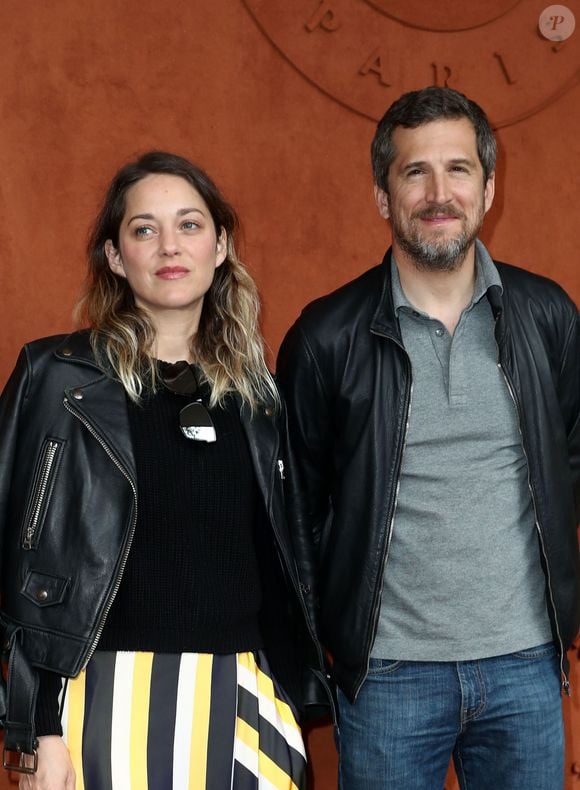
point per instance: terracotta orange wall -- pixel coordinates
(87, 85)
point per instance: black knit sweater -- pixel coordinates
(191, 583)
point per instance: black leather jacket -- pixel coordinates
(68, 496)
(346, 379)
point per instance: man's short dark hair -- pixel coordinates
(424, 106)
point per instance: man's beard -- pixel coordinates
(437, 255)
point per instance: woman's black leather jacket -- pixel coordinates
(68, 499)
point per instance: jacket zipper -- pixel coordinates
(563, 675)
(121, 468)
(41, 488)
(390, 521)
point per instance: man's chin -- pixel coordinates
(447, 256)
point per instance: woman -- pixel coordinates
(146, 559)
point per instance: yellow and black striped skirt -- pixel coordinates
(190, 721)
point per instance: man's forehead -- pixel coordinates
(442, 135)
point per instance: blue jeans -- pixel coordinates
(499, 718)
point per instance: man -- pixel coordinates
(434, 413)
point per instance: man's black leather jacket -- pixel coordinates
(346, 379)
(68, 496)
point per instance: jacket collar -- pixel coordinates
(99, 400)
(76, 347)
(384, 320)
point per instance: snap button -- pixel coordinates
(67, 352)
(305, 588)
(41, 595)
(77, 395)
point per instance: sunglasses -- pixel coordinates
(195, 420)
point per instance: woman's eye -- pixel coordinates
(143, 230)
(189, 224)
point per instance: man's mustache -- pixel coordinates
(444, 210)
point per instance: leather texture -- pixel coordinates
(347, 382)
(68, 506)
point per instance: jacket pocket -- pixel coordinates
(41, 491)
(43, 589)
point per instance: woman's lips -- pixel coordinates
(171, 272)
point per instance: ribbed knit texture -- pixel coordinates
(191, 583)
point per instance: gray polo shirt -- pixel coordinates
(463, 578)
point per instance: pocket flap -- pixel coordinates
(43, 589)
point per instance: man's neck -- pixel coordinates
(442, 295)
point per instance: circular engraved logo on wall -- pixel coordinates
(365, 53)
(451, 15)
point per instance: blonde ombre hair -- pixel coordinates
(228, 345)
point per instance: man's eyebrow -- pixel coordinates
(462, 160)
(422, 163)
(411, 165)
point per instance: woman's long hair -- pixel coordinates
(228, 345)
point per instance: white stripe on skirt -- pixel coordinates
(121, 721)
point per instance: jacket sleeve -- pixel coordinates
(569, 394)
(308, 485)
(11, 403)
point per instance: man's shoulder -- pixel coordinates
(524, 286)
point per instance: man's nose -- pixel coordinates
(439, 188)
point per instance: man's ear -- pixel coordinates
(489, 192)
(114, 258)
(382, 201)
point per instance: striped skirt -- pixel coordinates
(190, 721)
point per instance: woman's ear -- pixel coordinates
(221, 249)
(114, 258)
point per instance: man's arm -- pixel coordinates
(569, 394)
(309, 477)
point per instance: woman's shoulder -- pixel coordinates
(73, 345)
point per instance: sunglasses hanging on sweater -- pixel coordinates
(194, 419)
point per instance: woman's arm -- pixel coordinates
(55, 770)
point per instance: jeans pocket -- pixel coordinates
(383, 666)
(540, 651)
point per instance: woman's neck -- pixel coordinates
(173, 340)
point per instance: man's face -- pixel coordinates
(436, 198)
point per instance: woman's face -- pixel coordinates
(168, 249)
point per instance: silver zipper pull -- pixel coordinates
(281, 468)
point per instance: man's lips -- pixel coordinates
(443, 214)
(171, 272)
(439, 219)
